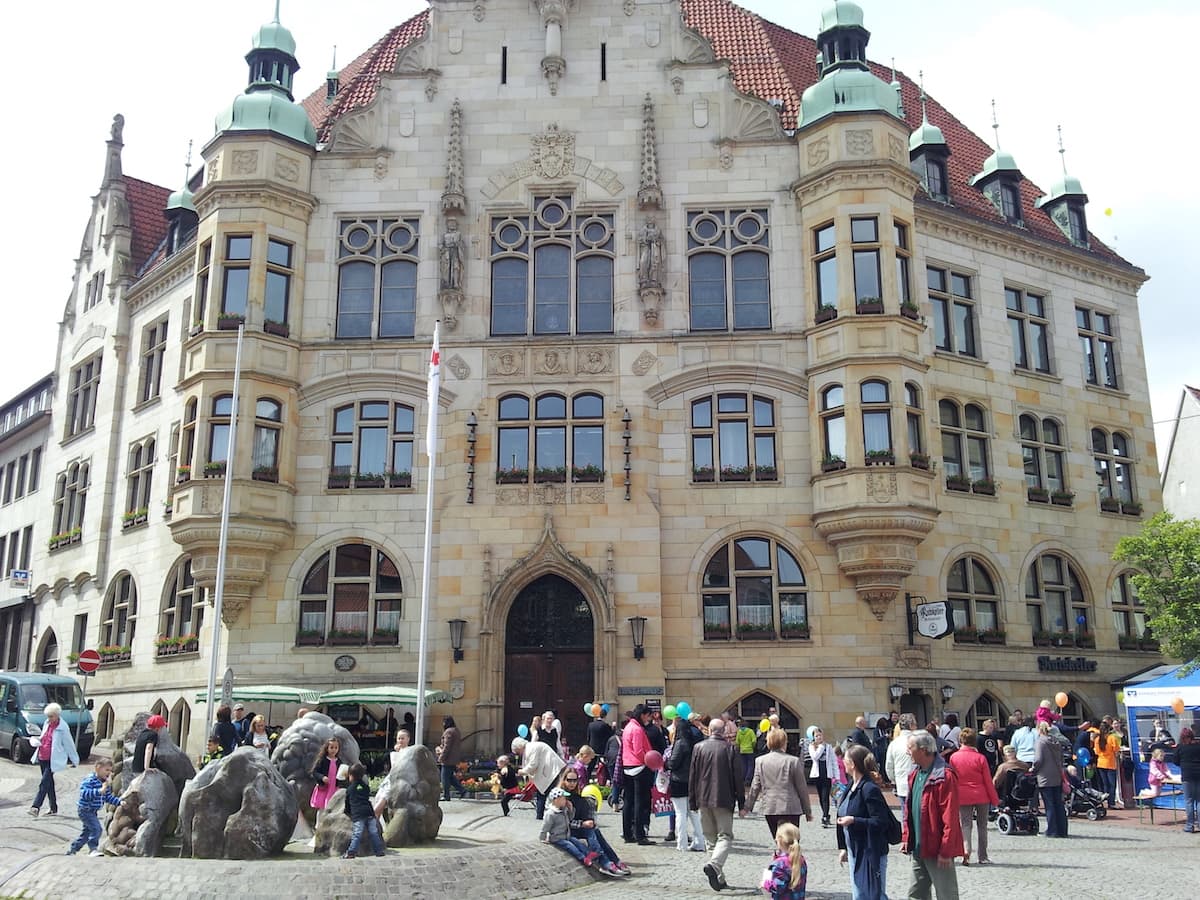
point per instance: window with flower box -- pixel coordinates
(1129, 615)
(268, 421)
(868, 282)
(182, 613)
(235, 281)
(833, 427)
(914, 427)
(974, 602)
(558, 438)
(965, 446)
(139, 482)
(1057, 610)
(1043, 450)
(70, 502)
(352, 595)
(749, 585)
(372, 445)
(118, 619)
(377, 277)
(825, 266)
(278, 293)
(1114, 472)
(875, 397)
(729, 269)
(218, 435)
(733, 438)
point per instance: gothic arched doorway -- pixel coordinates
(548, 651)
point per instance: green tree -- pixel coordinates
(1167, 555)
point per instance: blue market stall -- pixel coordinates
(1173, 699)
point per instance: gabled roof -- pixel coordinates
(146, 204)
(767, 61)
(1188, 391)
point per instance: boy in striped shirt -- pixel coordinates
(93, 794)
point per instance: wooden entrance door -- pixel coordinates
(549, 660)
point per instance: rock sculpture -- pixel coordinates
(239, 807)
(332, 836)
(147, 808)
(298, 748)
(410, 792)
(168, 758)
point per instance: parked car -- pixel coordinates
(23, 696)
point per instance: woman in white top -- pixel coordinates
(822, 769)
(258, 737)
(548, 731)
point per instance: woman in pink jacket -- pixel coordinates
(976, 793)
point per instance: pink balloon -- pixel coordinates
(654, 760)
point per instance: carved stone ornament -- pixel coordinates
(629, 7)
(431, 87)
(752, 119)
(652, 299)
(506, 363)
(725, 155)
(479, 11)
(677, 85)
(594, 361)
(553, 69)
(650, 255)
(381, 166)
(882, 487)
(879, 599)
(818, 152)
(245, 162)
(214, 170)
(358, 132)
(644, 363)
(553, 361)
(860, 142)
(451, 300)
(896, 149)
(458, 367)
(649, 191)
(287, 169)
(913, 657)
(553, 152)
(454, 197)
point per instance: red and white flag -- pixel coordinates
(435, 382)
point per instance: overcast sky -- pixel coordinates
(1106, 70)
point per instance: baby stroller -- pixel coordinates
(1017, 814)
(1087, 801)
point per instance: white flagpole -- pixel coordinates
(435, 378)
(223, 545)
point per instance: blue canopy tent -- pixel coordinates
(1155, 699)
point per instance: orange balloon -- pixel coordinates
(1061, 699)
(595, 709)
(1178, 705)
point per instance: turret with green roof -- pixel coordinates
(846, 84)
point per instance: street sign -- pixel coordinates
(88, 662)
(934, 619)
(19, 579)
(227, 688)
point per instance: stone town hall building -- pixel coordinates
(737, 336)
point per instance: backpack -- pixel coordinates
(895, 833)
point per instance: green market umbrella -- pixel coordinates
(384, 696)
(268, 693)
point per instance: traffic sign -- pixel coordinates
(88, 662)
(227, 688)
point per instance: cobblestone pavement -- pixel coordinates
(482, 854)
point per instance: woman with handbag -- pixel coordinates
(823, 769)
(863, 821)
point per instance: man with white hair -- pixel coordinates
(932, 831)
(714, 786)
(541, 764)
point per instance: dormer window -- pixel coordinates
(1076, 225)
(1010, 203)
(935, 178)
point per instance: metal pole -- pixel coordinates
(223, 545)
(908, 616)
(82, 710)
(427, 564)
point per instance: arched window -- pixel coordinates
(47, 660)
(757, 706)
(377, 278)
(268, 418)
(70, 501)
(973, 597)
(916, 436)
(567, 438)
(964, 440)
(1043, 450)
(187, 444)
(120, 613)
(140, 481)
(876, 419)
(987, 707)
(351, 595)
(728, 260)
(1076, 712)
(754, 577)
(180, 721)
(833, 423)
(1114, 471)
(182, 613)
(218, 432)
(733, 437)
(1129, 615)
(1055, 603)
(104, 722)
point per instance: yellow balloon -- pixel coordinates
(1178, 705)
(764, 726)
(593, 793)
(1120, 696)
(1108, 211)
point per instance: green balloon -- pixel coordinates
(669, 712)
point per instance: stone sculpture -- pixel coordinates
(239, 807)
(451, 257)
(332, 835)
(298, 748)
(410, 792)
(650, 255)
(147, 807)
(168, 757)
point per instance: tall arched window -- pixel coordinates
(120, 613)
(1114, 470)
(914, 427)
(833, 423)
(47, 660)
(351, 595)
(268, 419)
(757, 706)
(70, 500)
(1057, 609)
(752, 583)
(973, 597)
(964, 440)
(187, 442)
(140, 479)
(180, 721)
(1044, 453)
(876, 419)
(729, 269)
(1129, 615)
(987, 707)
(104, 722)
(377, 278)
(182, 612)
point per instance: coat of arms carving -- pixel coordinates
(553, 153)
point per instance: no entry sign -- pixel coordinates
(88, 662)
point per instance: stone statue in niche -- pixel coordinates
(452, 256)
(650, 255)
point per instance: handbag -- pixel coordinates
(895, 834)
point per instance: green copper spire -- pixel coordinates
(998, 161)
(846, 84)
(182, 198)
(1065, 186)
(267, 104)
(926, 135)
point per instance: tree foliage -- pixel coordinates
(1167, 555)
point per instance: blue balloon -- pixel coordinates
(683, 709)
(1084, 758)
(523, 731)
(604, 709)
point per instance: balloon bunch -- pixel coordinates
(595, 709)
(680, 710)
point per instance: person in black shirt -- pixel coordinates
(598, 733)
(1015, 722)
(859, 734)
(988, 743)
(147, 745)
(225, 731)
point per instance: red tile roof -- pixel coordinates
(146, 203)
(767, 61)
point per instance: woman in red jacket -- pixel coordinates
(976, 793)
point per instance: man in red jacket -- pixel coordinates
(932, 834)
